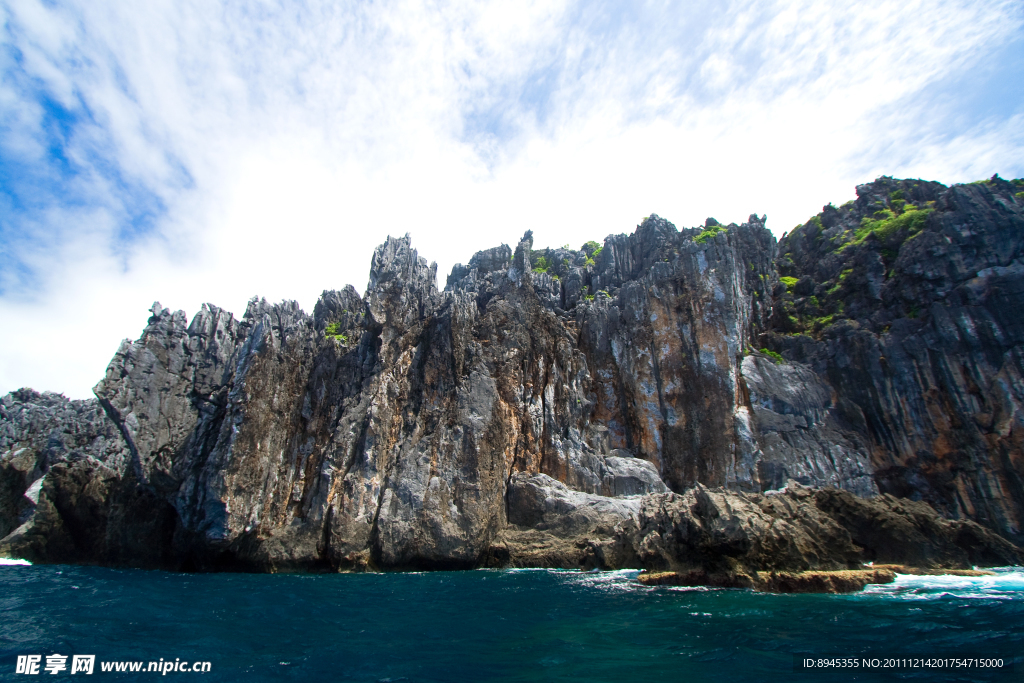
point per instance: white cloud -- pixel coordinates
(284, 145)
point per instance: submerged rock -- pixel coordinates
(605, 407)
(838, 581)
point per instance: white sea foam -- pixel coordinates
(1007, 583)
(518, 570)
(617, 580)
(14, 563)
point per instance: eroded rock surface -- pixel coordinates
(617, 405)
(725, 533)
(908, 302)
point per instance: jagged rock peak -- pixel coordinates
(396, 260)
(496, 258)
(401, 282)
(521, 262)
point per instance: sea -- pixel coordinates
(497, 625)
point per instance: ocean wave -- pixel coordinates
(615, 580)
(14, 563)
(550, 570)
(1006, 583)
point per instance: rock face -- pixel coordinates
(66, 489)
(602, 407)
(908, 301)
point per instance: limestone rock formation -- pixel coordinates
(725, 533)
(617, 405)
(908, 301)
(66, 493)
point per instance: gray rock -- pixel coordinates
(551, 525)
(925, 346)
(64, 473)
(793, 429)
(40, 431)
(720, 532)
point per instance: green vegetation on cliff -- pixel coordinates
(886, 223)
(708, 233)
(333, 331)
(591, 250)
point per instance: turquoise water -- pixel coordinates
(495, 626)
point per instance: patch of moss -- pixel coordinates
(1019, 195)
(790, 282)
(777, 357)
(541, 264)
(886, 223)
(708, 233)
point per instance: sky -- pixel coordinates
(193, 151)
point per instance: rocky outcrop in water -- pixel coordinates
(560, 408)
(804, 529)
(838, 581)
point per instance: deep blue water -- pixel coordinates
(494, 626)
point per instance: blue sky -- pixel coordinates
(190, 152)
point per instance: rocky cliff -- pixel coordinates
(629, 404)
(909, 302)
